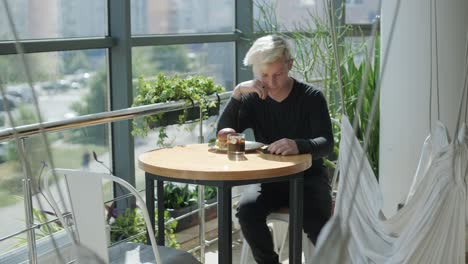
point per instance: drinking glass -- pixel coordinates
(236, 146)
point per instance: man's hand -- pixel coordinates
(252, 86)
(284, 147)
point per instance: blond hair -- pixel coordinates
(266, 50)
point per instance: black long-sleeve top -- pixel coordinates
(303, 116)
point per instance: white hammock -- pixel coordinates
(430, 228)
(431, 145)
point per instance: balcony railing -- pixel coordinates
(25, 131)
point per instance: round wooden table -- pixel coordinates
(200, 164)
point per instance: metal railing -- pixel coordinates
(206, 206)
(100, 118)
(90, 120)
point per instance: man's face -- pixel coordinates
(275, 75)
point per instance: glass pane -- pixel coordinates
(361, 11)
(67, 84)
(214, 60)
(38, 19)
(286, 15)
(71, 149)
(173, 16)
(11, 197)
(209, 59)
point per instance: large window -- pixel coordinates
(67, 84)
(187, 16)
(214, 60)
(70, 149)
(290, 15)
(211, 59)
(42, 19)
(285, 15)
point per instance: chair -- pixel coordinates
(279, 224)
(87, 206)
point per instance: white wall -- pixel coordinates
(405, 86)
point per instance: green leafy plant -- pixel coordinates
(352, 75)
(314, 62)
(180, 200)
(210, 192)
(126, 225)
(44, 229)
(193, 89)
(131, 223)
(177, 197)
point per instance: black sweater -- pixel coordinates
(302, 116)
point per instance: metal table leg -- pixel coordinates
(296, 196)
(161, 226)
(149, 185)
(224, 225)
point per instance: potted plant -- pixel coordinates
(180, 200)
(193, 89)
(131, 223)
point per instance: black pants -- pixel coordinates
(259, 201)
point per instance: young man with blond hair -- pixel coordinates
(292, 118)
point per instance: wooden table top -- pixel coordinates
(199, 162)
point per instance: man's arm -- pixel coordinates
(230, 115)
(321, 146)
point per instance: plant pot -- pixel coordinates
(172, 118)
(192, 220)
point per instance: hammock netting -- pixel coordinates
(430, 228)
